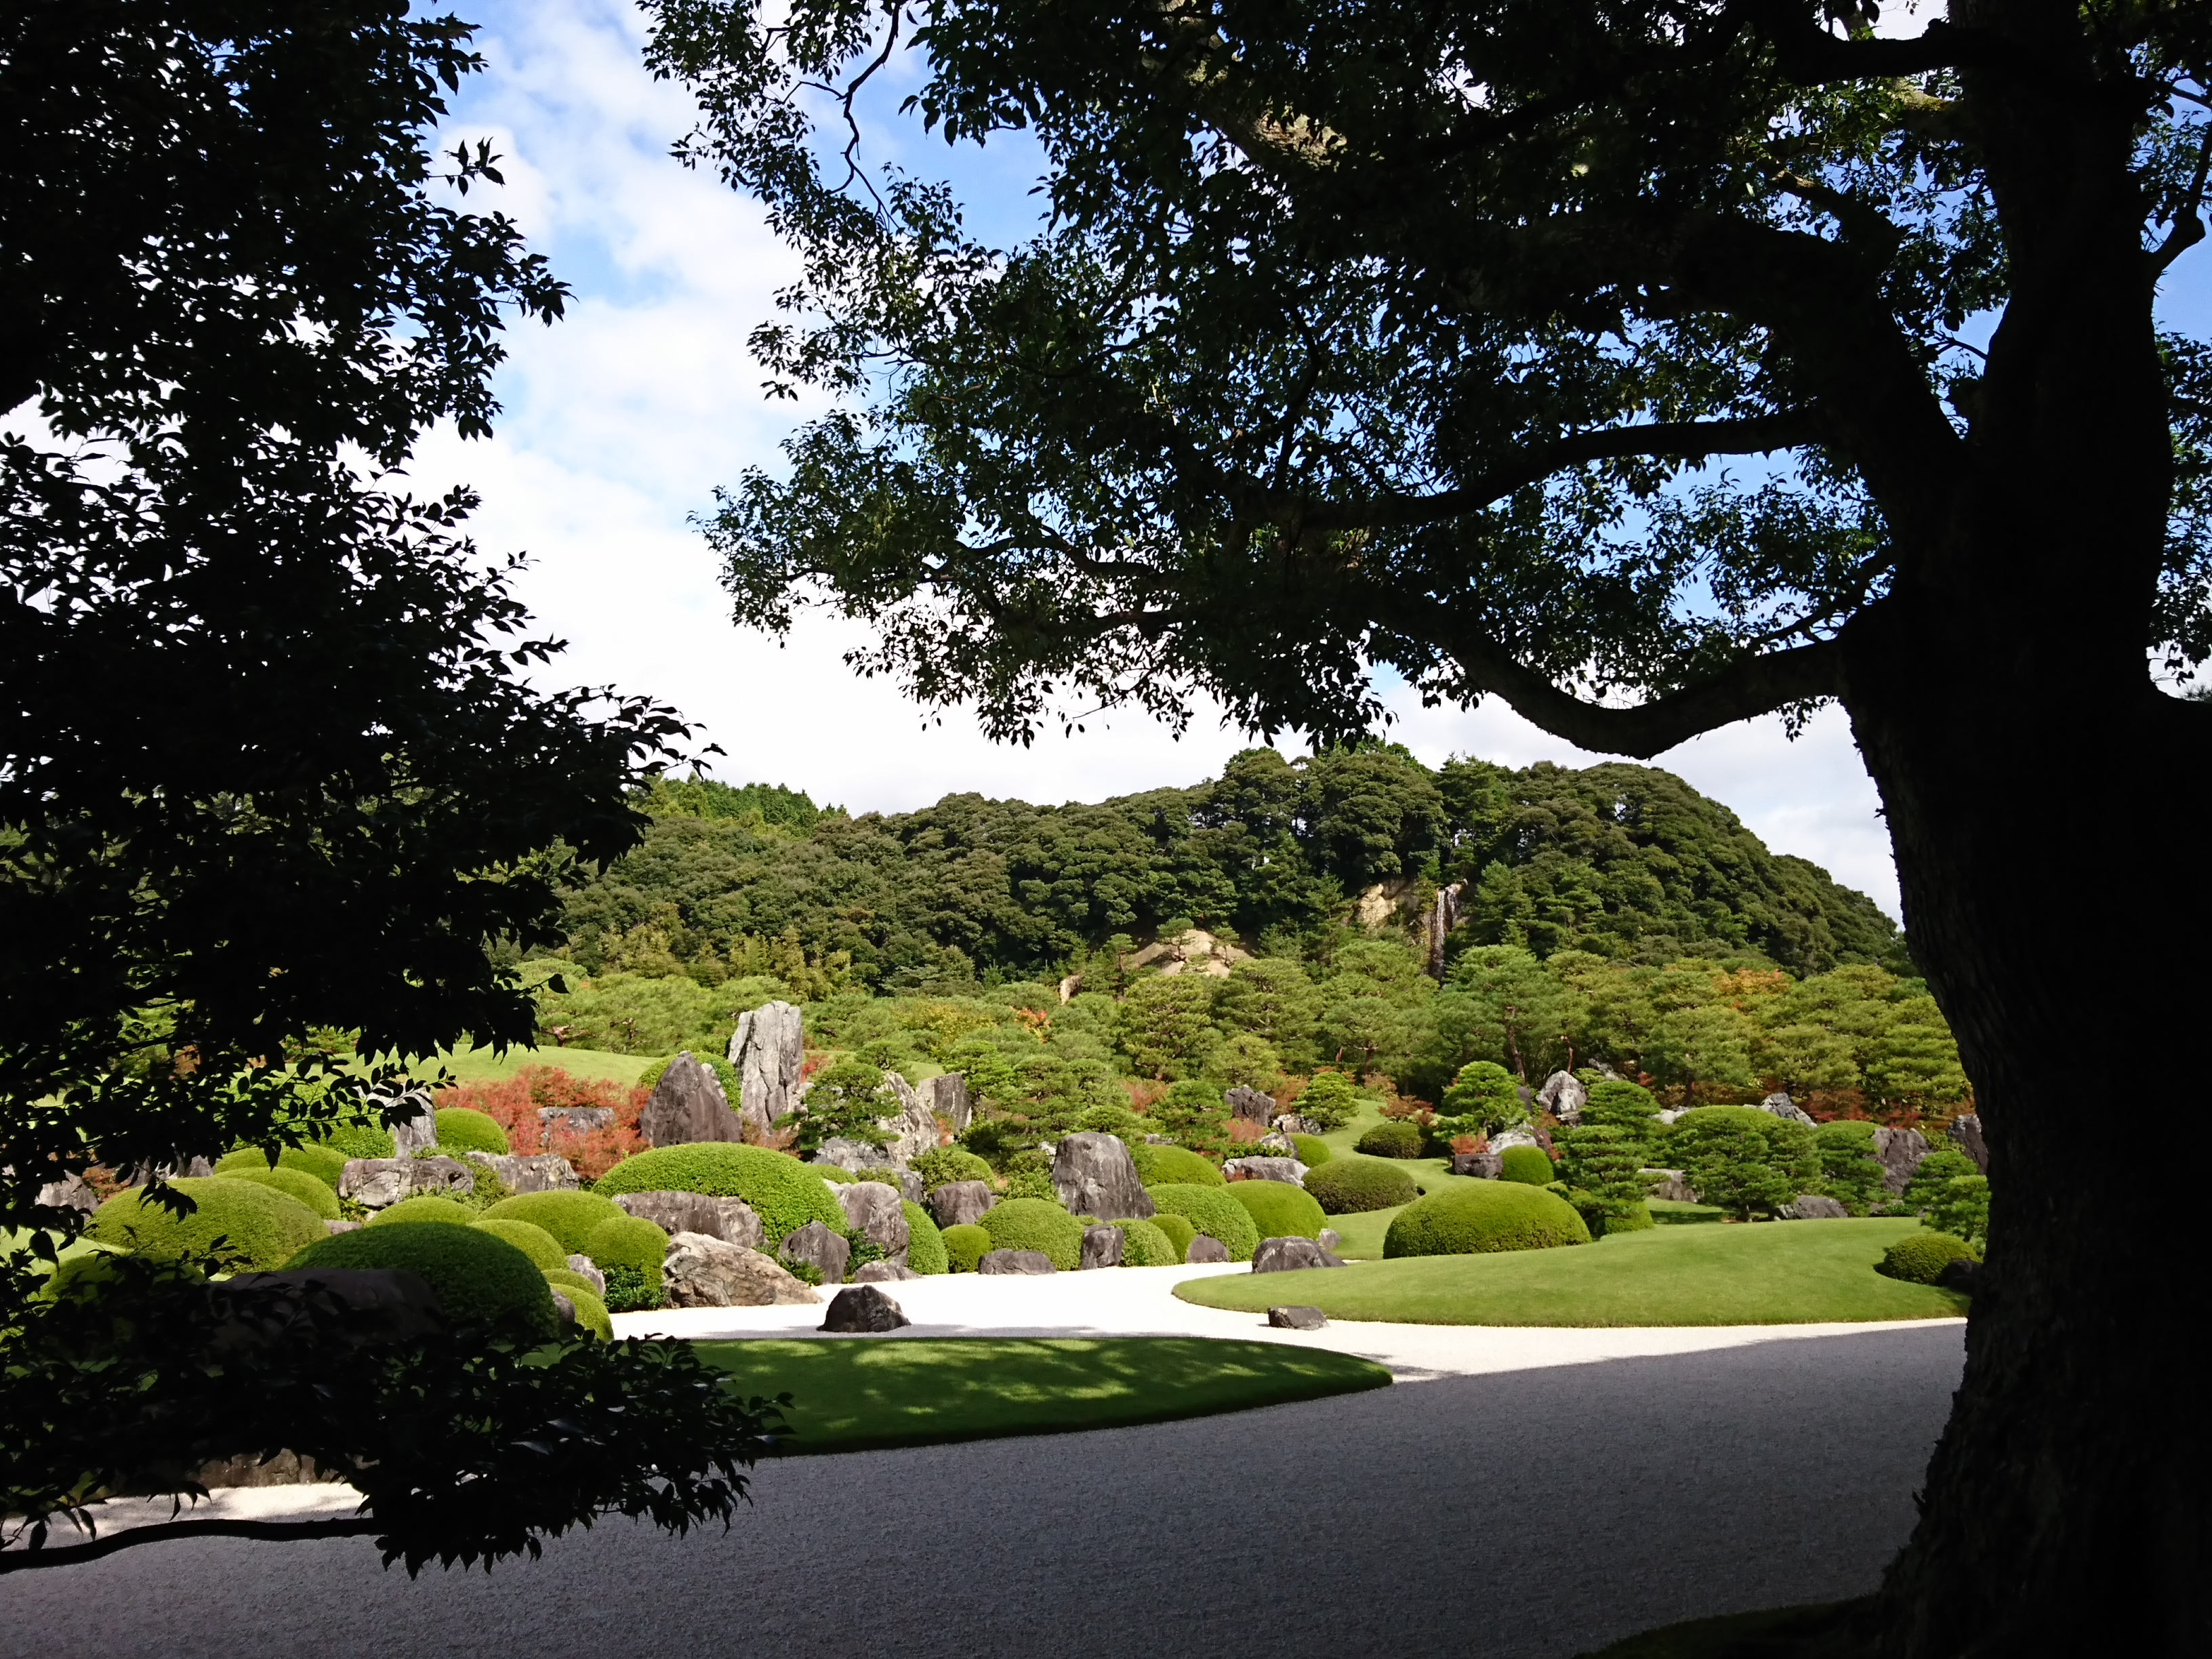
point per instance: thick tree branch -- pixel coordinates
(279, 1532)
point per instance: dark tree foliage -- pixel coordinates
(1620, 861)
(269, 763)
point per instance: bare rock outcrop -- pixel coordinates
(546, 1172)
(770, 1051)
(860, 1309)
(378, 1183)
(1288, 1170)
(1899, 1153)
(946, 1097)
(1966, 1134)
(688, 1105)
(815, 1246)
(1250, 1104)
(1094, 1175)
(961, 1203)
(700, 1272)
(1564, 1097)
(730, 1219)
(874, 1211)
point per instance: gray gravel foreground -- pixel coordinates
(1527, 1513)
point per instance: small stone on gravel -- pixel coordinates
(1296, 1319)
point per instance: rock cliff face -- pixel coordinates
(769, 1052)
(688, 1104)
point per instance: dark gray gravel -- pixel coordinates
(1532, 1513)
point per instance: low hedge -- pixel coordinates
(1146, 1244)
(323, 1164)
(1391, 1140)
(591, 1312)
(477, 1275)
(1346, 1186)
(783, 1192)
(1036, 1223)
(541, 1247)
(1212, 1212)
(464, 1129)
(569, 1216)
(1531, 1165)
(964, 1246)
(427, 1207)
(1280, 1210)
(261, 1227)
(1313, 1151)
(293, 1183)
(1176, 1166)
(1483, 1216)
(1921, 1257)
(925, 1247)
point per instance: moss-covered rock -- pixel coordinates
(1280, 1210)
(1213, 1212)
(569, 1216)
(1176, 1166)
(1145, 1244)
(478, 1276)
(784, 1193)
(1036, 1224)
(260, 1228)
(1347, 1186)
(464, 1129)
(1178, 1233)
(426, 1208)
(533, 1241)
(925, 1250)
(293, 1183)
(1483, 1216)
(965, 1246)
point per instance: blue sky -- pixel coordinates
(621, 420)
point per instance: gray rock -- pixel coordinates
(71, 1192)
(882, 1273)
(1330, 1238)
(408, 1112)
(1502, 1144)
(589, 1269)
(815, 1246)
(544, 1173)
(1671, 1185)
(699, 1272)
(1251, 1104)
(1103, 1247)
(1288, 1170)
(1963, 1274)
(1966, 1134)
(961, 1203)
(946, 1097)
(576, 1120)
(688, 1105)
(402, 1303)
(844, 1152)
(730, 1219)
(1811, 1206)
(912, 1129)
(441, 1175)
(1016, 1262)
(1899, 1153)
(863, 1309)
(337, 1227)
(1159, 1140)
(286, 1469)
(1205, 1249)
(874, 1212)
(1782, 1106)
(377, 1184)
(1483, 1165)
(1095, 1175)
(1290, 1123)
(770, 1051)
(1296, 1319)
(1288, 1255)
(1564, 1097)
(564, 1309)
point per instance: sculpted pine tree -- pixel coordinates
(1652, 367)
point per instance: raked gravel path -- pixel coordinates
(1523, 1492)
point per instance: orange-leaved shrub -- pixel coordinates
(516, 1101)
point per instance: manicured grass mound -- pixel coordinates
(628, 1249)
(964, 1246)
(324, 1163)
(569, 1216)
(783, 1192)
(464, 1129)
(854, 1396)
(1178, 1233)
(1145, 1244)
(1313, 1151)
(942, 1165)
(1280, 1210)
(1036, 1223)
(925, 1248)
(1920, 1258)
(1802, 1273)
(543, 1249)
(261, 1228)
(1212, 1212)
(1390, 1140)
(1483, 1216)
(591, 1312)
(1529, 1165)
(1177, 1166)
(427, 1207)
(1347, 1185)
(352, 1140)
(835, 1174)
(562, 1279)
(293, 1183)
(477, 1275)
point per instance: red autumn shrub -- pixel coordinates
(516, 1101)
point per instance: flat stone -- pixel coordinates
(961, 1203)
(589, 1269)
(1296, 1319)
(815, 1246)
(699, 1272)
(1286, 1256)
(730, 1219)
(876, 1213)
(1016, 1262)
(546, 1172)
(1899, 1153)
(1288, 1170)
(1094, 1175)
(688, 1106)
(1483, 1166)
(1811, 1206)
(1251, 1104)
(1564, 1097)
(770, 1051)
(1965, 1133)
(863, 1308)
(1205, 1247)
(1103, 1247)
(882, 1273)
(377, 1184)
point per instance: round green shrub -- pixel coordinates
(1145, 1244)
(322, 1162)
(1313, 1151)
(964, 1246)
(534, 1241)
(293, 1183)
(428, 1207)
(925, 1248)
(627, 1241)
(941, 1166)
(1179, 1233)
(261, 1227)
(569, 1216)
(477, 1275)
(464, 1129)
(835, 1174)
(567, 1279)
(1280, 1210)
(1346, 1186)
(784, 1193)
(1634, 1217)
(1036, 1224)
(1530, 1164)
(726, 1074)
(591, 1312)
(1481, 1216)
(1921, 1258)
(1212, 1212)
(1848, 1128)
(1395, 1139)
(351, 1140)
(1161, 1166)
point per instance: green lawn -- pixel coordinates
(855, 1394)
(488, 1066)
(1784, 1272)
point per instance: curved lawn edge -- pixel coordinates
(923, 1391)
(1791, 1273)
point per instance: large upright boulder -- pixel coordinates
(1103, 1247)
(1564, 1097)
(1783, 1107)
(730, 1219)
(407, 1112)
(946, 1097)
(815, 1246)
(1967, 1135)
(876, 1213)
(688, 1105)
(1899, 1153)
(1251, 1105)
(770, 1051)
(961, 1203)
(913, 1130)
(1094, 1175)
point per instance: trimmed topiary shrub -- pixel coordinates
(569, 1216)
(1280, 1210)
(925, 1248)
(1313, 1151)
(1211, 1211)
(543, 1249)
(1962, 1209)
(1161, 1166)
(1743, 1159)
(352, 1140)
(427, 1207)
(964, 1246)
(1346, 1186)
(1179, 1233)
(1850, 1172)
(941, 1166)
(261, 1227)
(567, 1279)
(1921, 1258)
(1529, 1165)
(321, 1162)
(1146, 1244)
(628, 1249)
(293, 1183)
(464, 1129)
(591, 1312)
(1397, 1140)
(1036, 1223)
(835, 1174)
(1483, 1216)
(783, 1192)
(477, 1275)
